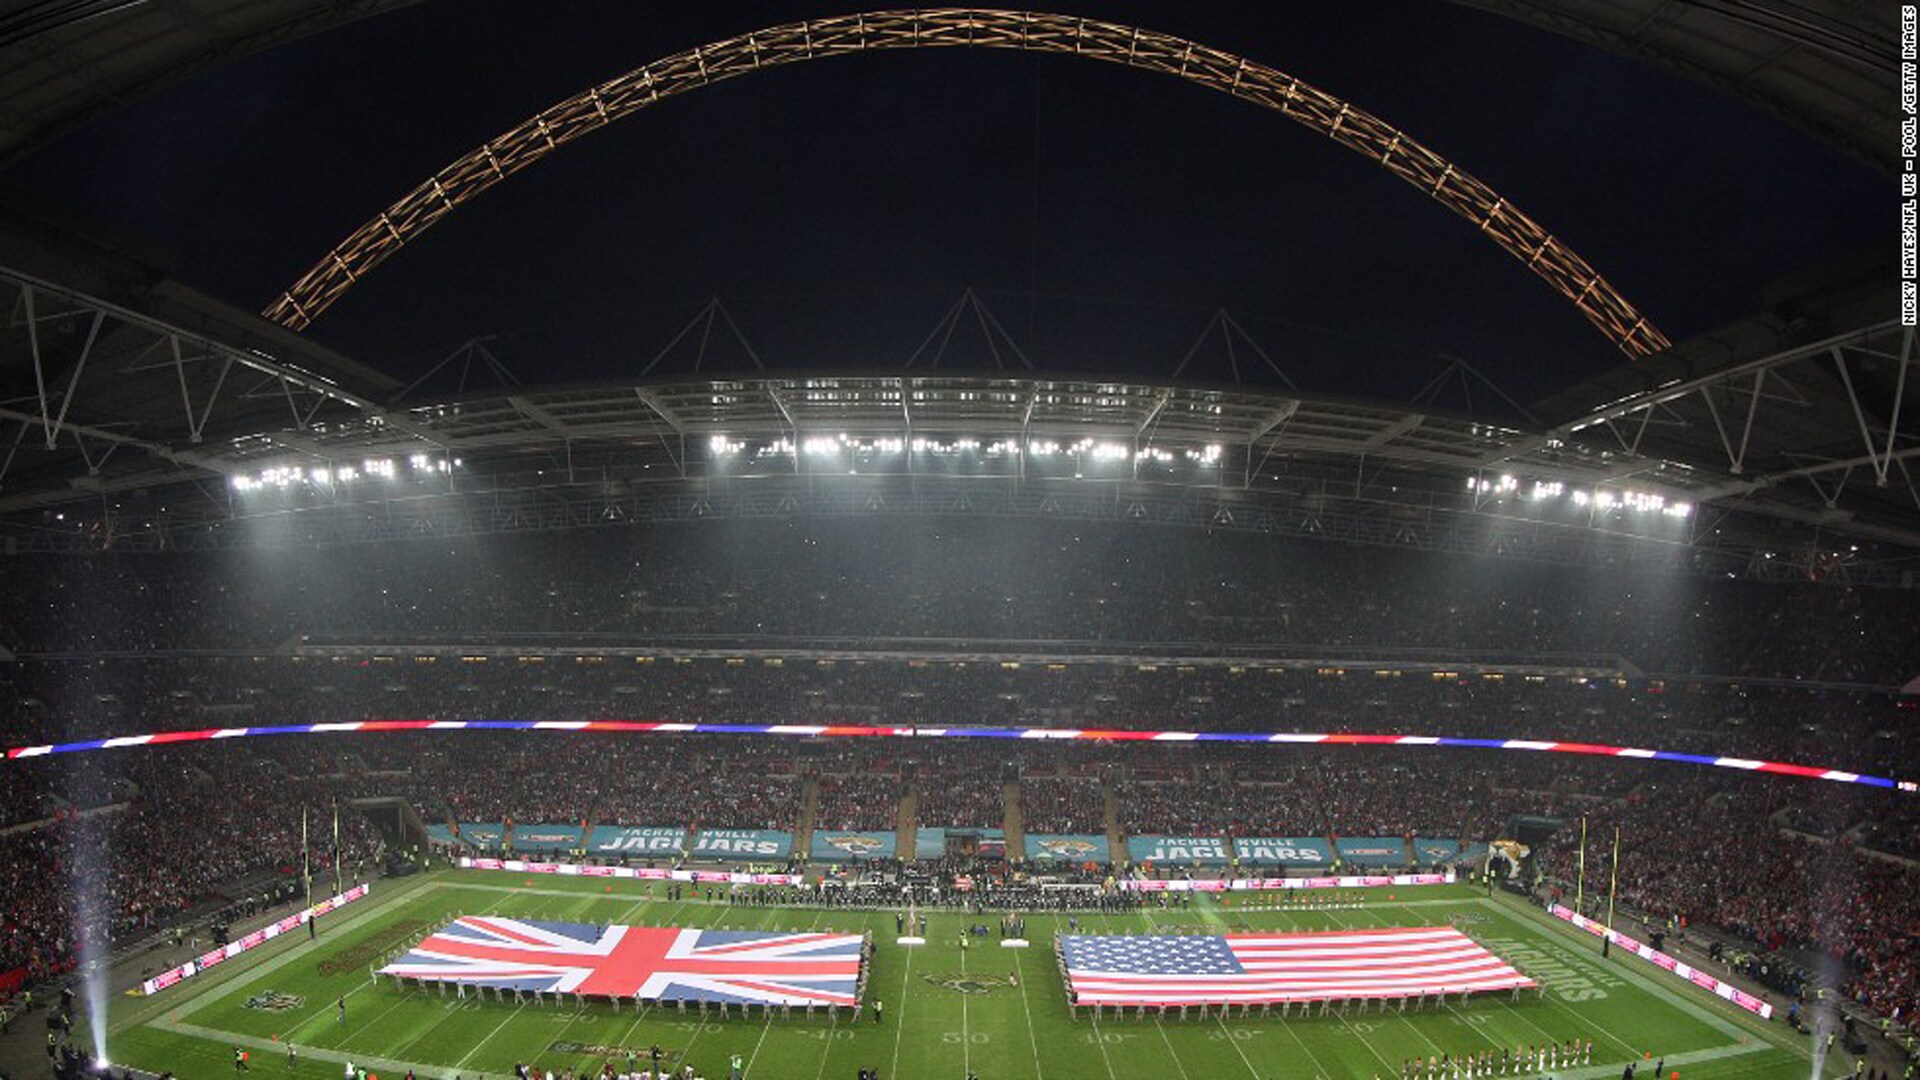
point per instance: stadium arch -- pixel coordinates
(1358, 130)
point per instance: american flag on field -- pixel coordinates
(651, 963)
(1256, 969)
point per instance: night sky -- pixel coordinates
(838, 207)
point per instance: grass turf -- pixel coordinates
(932, 1030)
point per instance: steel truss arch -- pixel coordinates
(1358, 130)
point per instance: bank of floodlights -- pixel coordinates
(295, 477)
(1601, 500)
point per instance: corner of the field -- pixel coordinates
(1739, 1017)
(196, 994)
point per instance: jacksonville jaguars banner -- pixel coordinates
(485, 835)
(1302, 851)
(440, 834)
(1372, 850)
(546, 837)
(1185, 850)
(741, 844)
(1428, 851)
(1068, 847)
(844, 845)
(663, 842)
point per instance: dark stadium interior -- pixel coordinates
(950, 389)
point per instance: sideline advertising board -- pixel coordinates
(1659, 959)
(259, 937)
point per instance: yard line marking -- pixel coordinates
(1101, 1043)
(1631, 1051)
(406, 995)
(645, 1008)
(768, 1018)
(458, 1065)
(1026, 1006)
(1170, 1050)
(588, 902)
(894, 1068)
(1220, 1019)
(833, 1020)
(1235, 1043)
(966, 1051)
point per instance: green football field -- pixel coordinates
(948, 1010)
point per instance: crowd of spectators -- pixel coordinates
(1698, 844)
(984, 580)
(1703, 851)
(1063, 803)
(195, 823)
(925, 623)
(857, 802)
(961, 787)
(1856, 730)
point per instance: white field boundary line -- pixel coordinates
(1552, 1039)
(254, 1042)
(1689, 1057)
(1733, 1021)
(1375, 913)
(321, 1010)
(423, 887)
(263, 960)
(368, 985)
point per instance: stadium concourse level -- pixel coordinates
(978, 579)
(1847, 728)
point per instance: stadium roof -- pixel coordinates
(68, 61)
(1822, 65)
(1769, 420)
(1786, 429)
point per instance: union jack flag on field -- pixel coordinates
(646, 962)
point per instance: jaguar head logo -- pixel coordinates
(275, 1001)
(961, 983)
